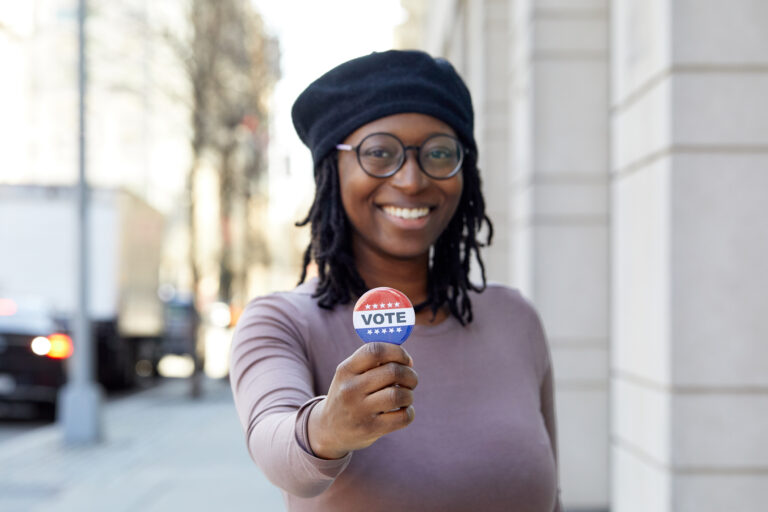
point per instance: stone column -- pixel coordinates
(474, 36)
(487, 71)
(560, 227)
(689, 237)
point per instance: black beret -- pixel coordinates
(377, 85)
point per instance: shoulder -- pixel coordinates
(283, 314)
(507, 310)
(498, 299)
(290, 303)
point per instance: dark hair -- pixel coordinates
(448, 275)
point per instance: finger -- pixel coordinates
(375, 354)
(388, 399)
(395, 420)
(387, 375)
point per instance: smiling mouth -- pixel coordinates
(406, 213)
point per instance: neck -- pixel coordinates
(407, 275)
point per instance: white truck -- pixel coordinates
(38, 260)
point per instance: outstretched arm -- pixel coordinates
(273, 392)
(303, 442)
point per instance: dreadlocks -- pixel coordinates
(448, 276)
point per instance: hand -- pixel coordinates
(371, 395)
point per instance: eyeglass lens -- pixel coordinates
(382, 154)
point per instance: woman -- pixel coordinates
(332, 421)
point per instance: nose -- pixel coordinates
(410, 178)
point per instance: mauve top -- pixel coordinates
(484, 433)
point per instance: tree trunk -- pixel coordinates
(226, 196)
(196, 388)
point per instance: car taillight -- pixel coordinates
(61, 346)
(55, 346)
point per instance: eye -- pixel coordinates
(380, 147)
(440, 154)
(376, 152)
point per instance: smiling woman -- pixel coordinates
(397, 204)
(368, 95)
(403, 214)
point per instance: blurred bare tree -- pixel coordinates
(231, 66)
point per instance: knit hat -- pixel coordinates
(377, 85)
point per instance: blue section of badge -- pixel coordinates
(385, 334)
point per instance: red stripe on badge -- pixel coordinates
(384, 297)
(383, 314)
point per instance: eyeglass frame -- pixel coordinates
(454, 172)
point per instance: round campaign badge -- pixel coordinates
(384, 314)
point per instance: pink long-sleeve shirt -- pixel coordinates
(484, 433)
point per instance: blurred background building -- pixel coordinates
(177, 99)
(624, 147)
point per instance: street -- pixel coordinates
(12, 428)
(161, 451)
(21, 418)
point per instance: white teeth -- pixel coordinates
(406, 213)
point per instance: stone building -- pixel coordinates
(624, 148)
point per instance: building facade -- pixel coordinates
(139, 133)
(137, 121)
(624, 149)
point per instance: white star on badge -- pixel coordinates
(370, 331)
(389, 304)
(381, 305)
(367, 306)
(375, 306)
(397, 304)
(398, 329)
(391, 330)
(376, 331)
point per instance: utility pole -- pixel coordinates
(81, 397)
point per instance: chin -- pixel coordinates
(411, 256)
(406, 253)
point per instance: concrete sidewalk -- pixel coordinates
(162, 451)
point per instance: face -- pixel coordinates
(403, 215)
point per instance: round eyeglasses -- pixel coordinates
(382, 154)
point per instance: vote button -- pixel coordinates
(383, 314)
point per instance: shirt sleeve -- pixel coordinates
(548, 412)
(271, 382)
(546, 389)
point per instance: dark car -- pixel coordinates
(33, 350)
